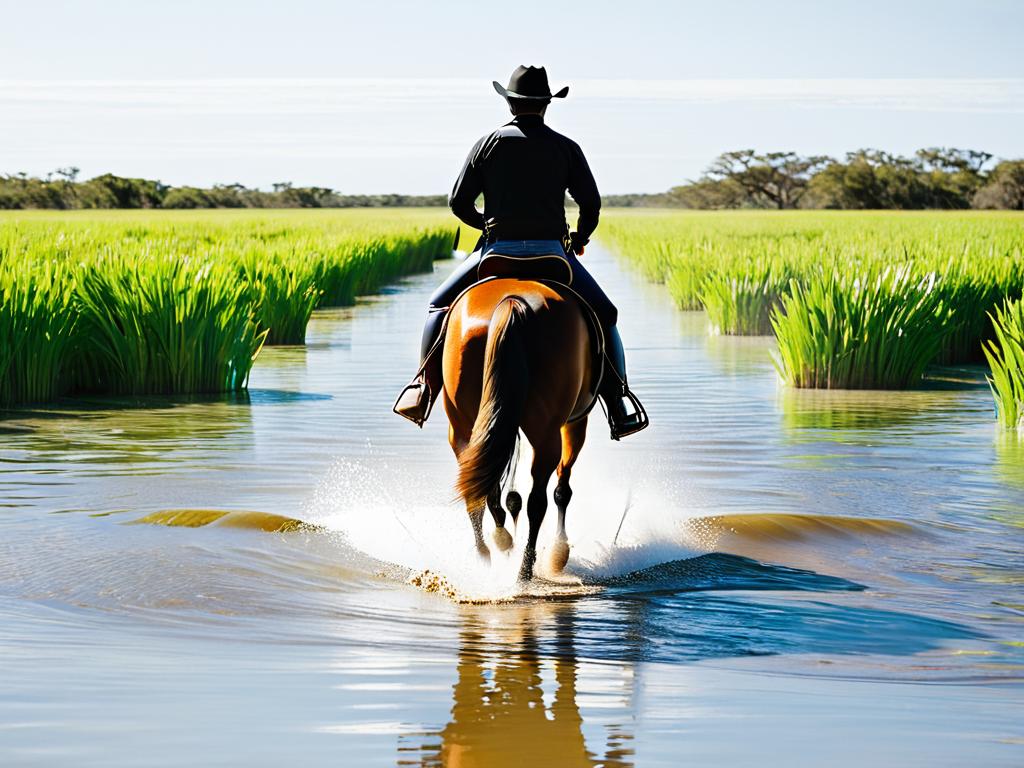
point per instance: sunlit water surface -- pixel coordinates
(763, 576)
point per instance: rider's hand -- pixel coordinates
(577, 244)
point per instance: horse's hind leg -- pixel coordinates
(545, 459)
(573, 436)
(502, 538)
(458, 438)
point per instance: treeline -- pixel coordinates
(62, 190)
(936, 178)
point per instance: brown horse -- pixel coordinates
(517, 355)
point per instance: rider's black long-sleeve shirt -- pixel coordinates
(524, 170)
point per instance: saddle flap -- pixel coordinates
(543, 266)
(588, 399)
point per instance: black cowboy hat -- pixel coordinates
(529, 83)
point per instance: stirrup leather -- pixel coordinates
(417, 411)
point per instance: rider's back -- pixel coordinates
(524, 169)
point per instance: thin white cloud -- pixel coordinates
(348, 96)
(932, 95)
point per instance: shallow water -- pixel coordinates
(798, 578)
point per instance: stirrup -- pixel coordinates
(632, 423)
(414, 402)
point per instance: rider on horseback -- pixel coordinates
(523, 170)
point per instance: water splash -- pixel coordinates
(400, 516)
(394, 521)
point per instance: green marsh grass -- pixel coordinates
(814, 274)
(875, 330)
(37, 329)
(163, 325)
(144, 302)
(739, 301)
(1005, 355)
(975, 288)
(285, 291)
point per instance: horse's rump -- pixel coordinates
(518, 355)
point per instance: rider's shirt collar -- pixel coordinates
(527, 120)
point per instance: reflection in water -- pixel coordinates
(289, 365)
(555, 682)
(1010, 459)
(1010, 470)
(514, 705)
(738, 355)
(126, 430)
(842, 410)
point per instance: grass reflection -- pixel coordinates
(739, 355)
(118, 431)
(1010, 470)
(859, 410)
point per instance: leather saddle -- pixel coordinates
(545, 267)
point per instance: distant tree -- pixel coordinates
(850, 185)
(306, 197)
(228, 195)
(954, 175)
(870, 178)
(710, 194)
(90, 195)
(1004, 189)
(187, 197)
(22, 191)
(131, 193)
(773, 179)
(952, 160)
(68, 173)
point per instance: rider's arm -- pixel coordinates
(583, 189)
(467, 188)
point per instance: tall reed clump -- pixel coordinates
(739, 301)
(163, 325)
(974, 288)
(37, 328)
(362, 266)
(875, 329)
(284, 288)
(337, 274)
(1005, 355)
(685, 283)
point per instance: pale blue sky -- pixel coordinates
(388, 96)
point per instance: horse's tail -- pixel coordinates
(485, 460)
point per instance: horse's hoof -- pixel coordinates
(502, 539)
(559, 556)
(484, 553)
